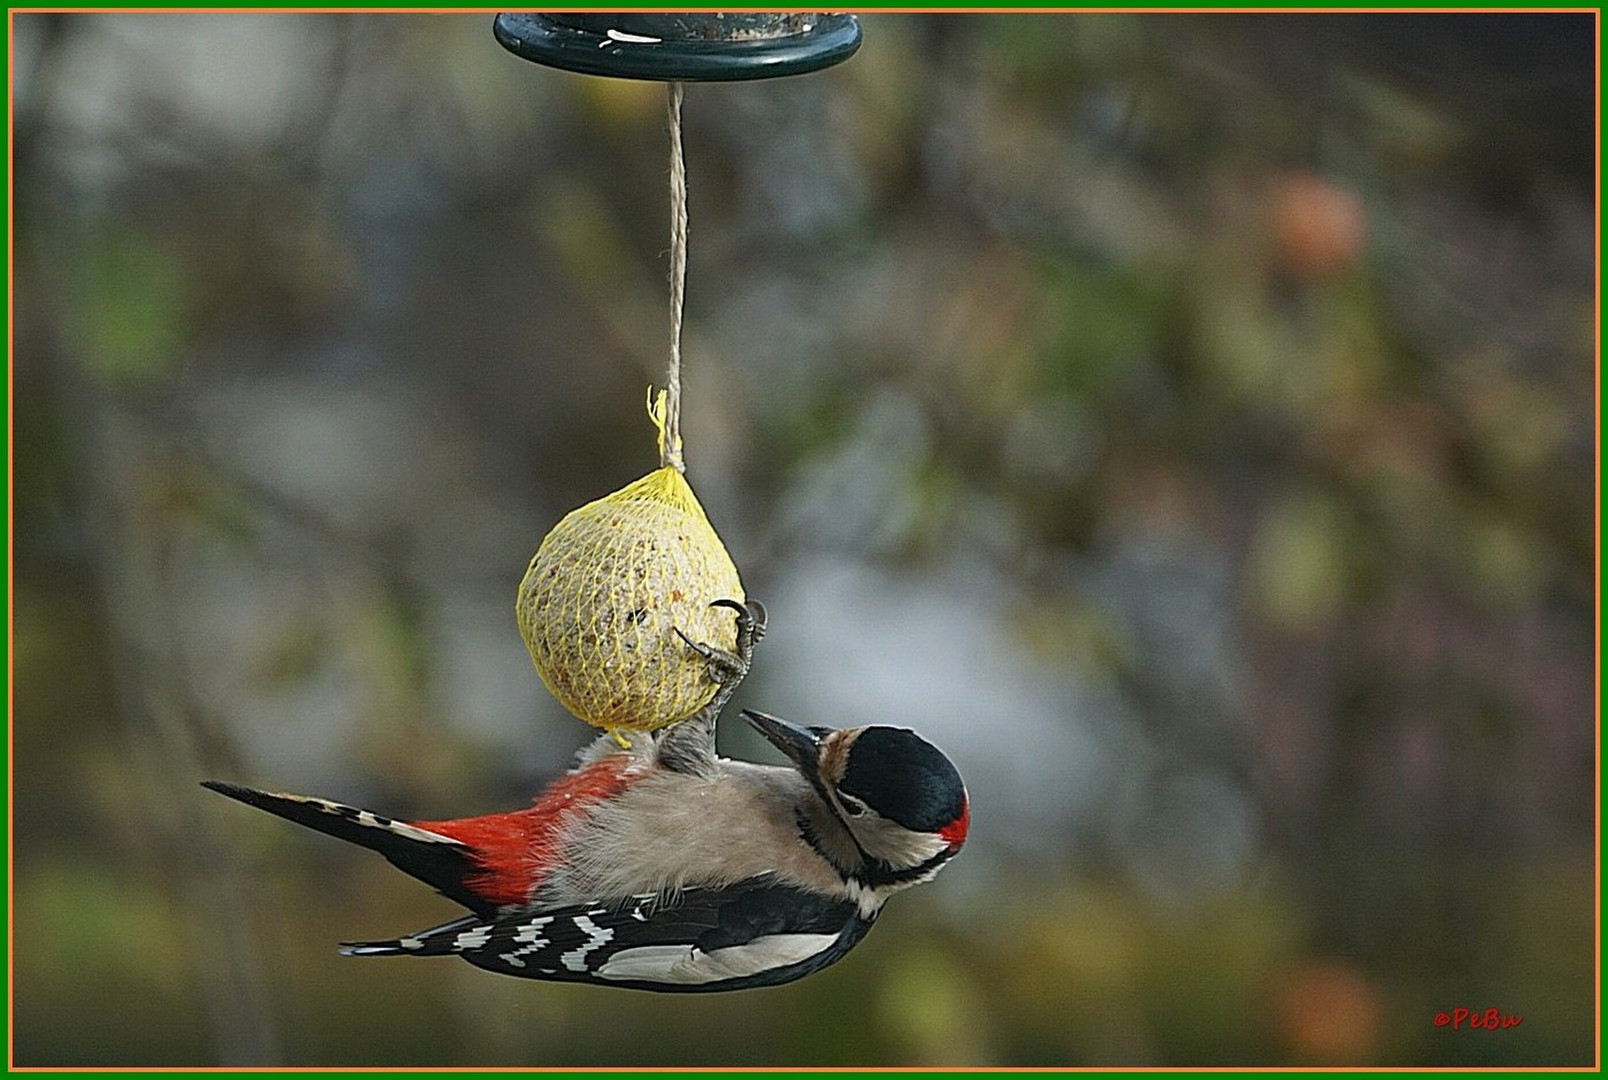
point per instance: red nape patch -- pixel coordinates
(954, 834)
(514, 849)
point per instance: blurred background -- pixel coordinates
(1185, 421)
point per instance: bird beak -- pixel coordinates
(799, 744)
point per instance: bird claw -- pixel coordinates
(729, 668)
(689, 745)
(751, 620)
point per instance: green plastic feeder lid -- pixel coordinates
(691, 47)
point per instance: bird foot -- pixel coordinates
(729, 668)
(689, 745)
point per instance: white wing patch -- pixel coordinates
(472, 939)
(596, 937)
(532, 931)
(646, 962)
(687, 965)
(530, 941)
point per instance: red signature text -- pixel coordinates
(1489, 1019)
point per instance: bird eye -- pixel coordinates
(851, 806)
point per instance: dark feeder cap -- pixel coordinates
(691, 47)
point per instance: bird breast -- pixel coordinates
(668, 831)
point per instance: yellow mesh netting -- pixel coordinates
(601, 601)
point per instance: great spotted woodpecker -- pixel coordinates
(661, 866)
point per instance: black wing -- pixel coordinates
(753, 933)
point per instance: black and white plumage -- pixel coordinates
(753, 933)
(662, 866)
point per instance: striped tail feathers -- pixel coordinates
(484, 863)
(442, 861)
(437, 941)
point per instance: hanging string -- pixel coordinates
(670, 438)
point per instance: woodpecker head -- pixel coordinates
(900, 801)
